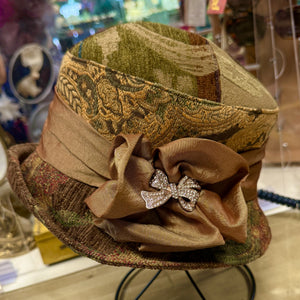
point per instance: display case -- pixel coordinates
(76, 20)
(277, 53)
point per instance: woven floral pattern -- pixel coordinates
(113, 102)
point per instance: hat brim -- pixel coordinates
(71, 221)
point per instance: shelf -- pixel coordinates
(31, 269)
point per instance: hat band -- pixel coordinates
(72, 146)
(114, 102)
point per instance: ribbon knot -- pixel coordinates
(186, 192)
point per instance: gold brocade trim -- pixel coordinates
(113, 102)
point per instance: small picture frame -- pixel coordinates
(31, 73)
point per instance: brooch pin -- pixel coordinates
(186, 192)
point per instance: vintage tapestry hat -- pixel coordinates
(151, 152)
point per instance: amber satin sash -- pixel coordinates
(122, 169)
(71, 145)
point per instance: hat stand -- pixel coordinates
(244, 271)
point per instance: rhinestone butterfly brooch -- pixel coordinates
(186, 191)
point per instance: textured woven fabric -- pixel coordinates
(176, 59)
(114, 102)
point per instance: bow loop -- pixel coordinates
(159, 180)
(155, 199)
(188, 182)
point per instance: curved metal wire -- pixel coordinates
(126, 278)
(253, 283)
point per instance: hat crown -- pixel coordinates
(176, 59)
(166, 83)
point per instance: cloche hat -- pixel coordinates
(151, 152)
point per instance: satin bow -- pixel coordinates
(184, 192)
(184, 164)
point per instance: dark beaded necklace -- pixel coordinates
(269, 196)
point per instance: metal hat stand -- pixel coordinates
(127, 280)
